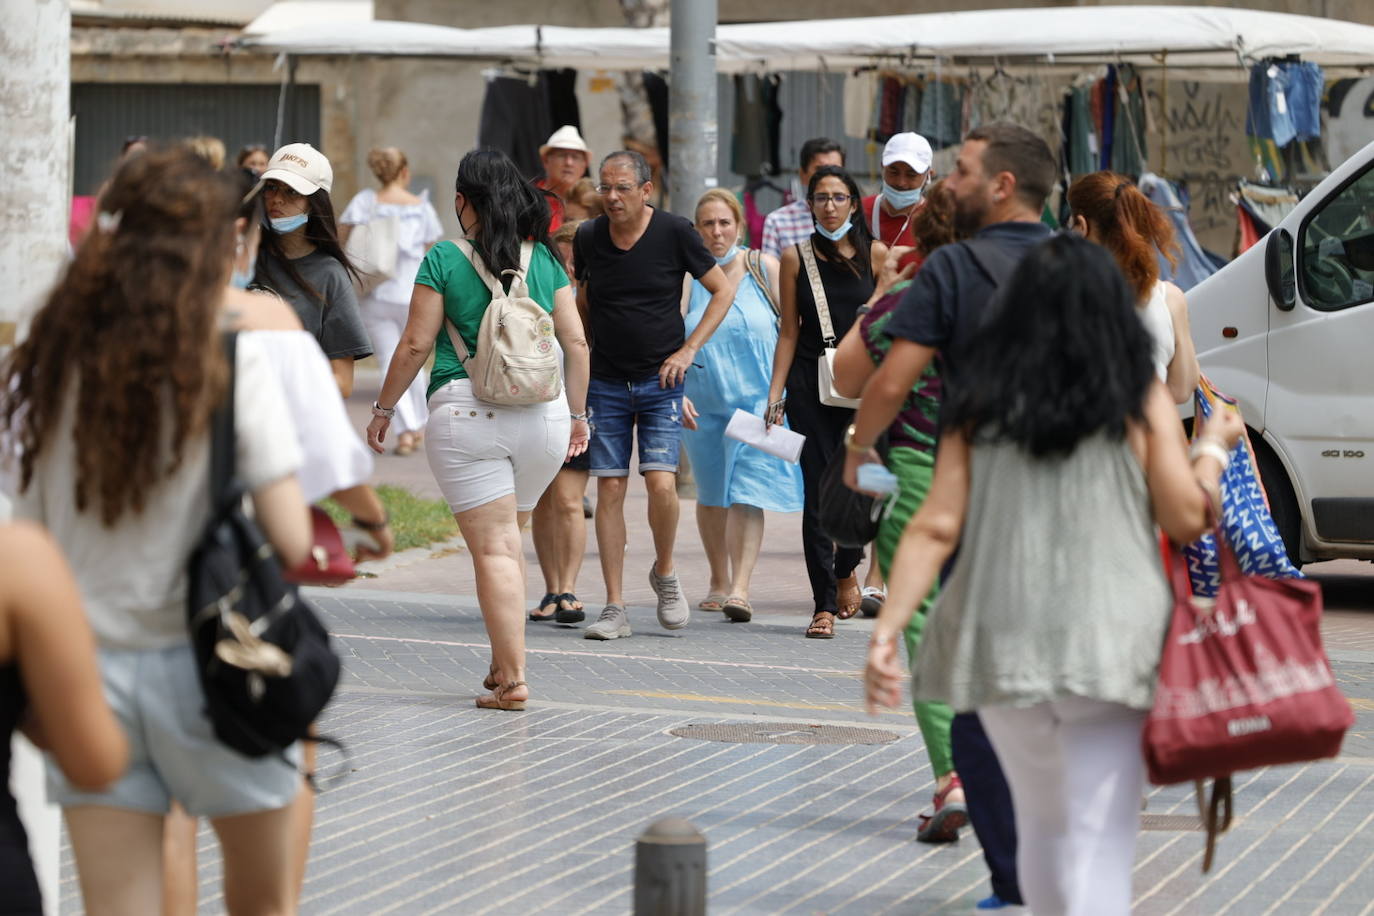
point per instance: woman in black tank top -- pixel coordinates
(847, 259)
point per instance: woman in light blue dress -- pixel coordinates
(736, 483)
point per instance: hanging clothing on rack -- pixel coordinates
(942, 113)
(860, 87)
(1130, 122)
(1285, 101)
(1194, 265)
(515, 120)
(754, 133)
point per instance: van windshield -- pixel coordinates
(1338, 249)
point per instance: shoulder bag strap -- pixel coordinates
(753, 261)
(991, 260)
(222, 432)
(813, 274)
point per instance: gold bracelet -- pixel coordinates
(851, 446)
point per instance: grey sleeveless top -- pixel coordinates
(1059, 586)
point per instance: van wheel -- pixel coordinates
(1283, 504)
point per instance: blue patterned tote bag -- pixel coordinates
(1245, 518)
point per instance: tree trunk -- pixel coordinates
(639, 132)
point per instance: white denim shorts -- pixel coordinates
(173, 752)
(480, 452)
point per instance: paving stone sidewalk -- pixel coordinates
(451, 809)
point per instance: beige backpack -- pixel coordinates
(516, 362)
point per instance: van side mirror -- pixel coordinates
(1278, 269)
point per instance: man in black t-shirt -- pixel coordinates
(629, 265)
(1001, 180)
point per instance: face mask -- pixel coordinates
(899, 199)
(728, 256)
(839, 233)
(240, 279)
(284, 224)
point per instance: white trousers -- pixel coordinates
(384, 323)
(1076, 775)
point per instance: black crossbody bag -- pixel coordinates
(264, 658)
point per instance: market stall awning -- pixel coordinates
(1188, 36)
(1184, 37)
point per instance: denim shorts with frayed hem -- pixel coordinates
(173, 752)
(619, 410)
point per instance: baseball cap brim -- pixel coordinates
(920, 168)
(296, 182)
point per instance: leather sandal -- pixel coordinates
(712, 602)
(497, 698)
(850, 597)
(490, 682)
(549, 600)
(822, 626)
(738, 609)
(569, 610)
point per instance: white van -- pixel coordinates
(1287, 329)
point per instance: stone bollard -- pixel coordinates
(670, 870)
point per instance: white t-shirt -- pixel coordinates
(133, 576)
(1160, 323)
(332, 456)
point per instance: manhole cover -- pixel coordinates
(783, 733)
(1170, 822)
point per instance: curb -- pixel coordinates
(413, 555)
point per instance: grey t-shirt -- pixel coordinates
(330, 313)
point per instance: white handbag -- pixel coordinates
(825, 367)
(372, 249)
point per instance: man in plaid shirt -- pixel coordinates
(792, 223)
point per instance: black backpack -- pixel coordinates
(264, 658)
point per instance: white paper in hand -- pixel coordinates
(775, 440)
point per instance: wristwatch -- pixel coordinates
(851, 446)
(386, 413)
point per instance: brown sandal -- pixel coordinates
(822, 626)
(497, 698)
(851, 598)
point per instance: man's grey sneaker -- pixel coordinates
(613, 623)
(673, 613)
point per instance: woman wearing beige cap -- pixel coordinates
(302, 261)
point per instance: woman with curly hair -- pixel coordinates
(115, 464)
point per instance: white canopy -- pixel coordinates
(1183, 37)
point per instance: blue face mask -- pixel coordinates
(240, 279)
(839, 233)
(728, 256)
(899, 199)
(284, 224)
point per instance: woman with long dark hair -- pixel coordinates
(302, 260)
(1061, 451)
(1109, 209)
(492, 462)
(847, 260)
(115, 462)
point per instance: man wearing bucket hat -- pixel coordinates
(906, 176)
(565, 159)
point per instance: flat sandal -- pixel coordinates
(496, 699)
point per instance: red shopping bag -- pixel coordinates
(1243, 683)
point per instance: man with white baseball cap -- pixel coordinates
(906, 173)
(299, 166)
(565, 159)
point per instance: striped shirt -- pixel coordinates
(786, 226)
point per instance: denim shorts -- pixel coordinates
(618, 409)
(173, 753)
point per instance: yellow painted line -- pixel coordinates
(778, 704)
(1362, 704)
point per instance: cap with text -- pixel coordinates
(301, 167)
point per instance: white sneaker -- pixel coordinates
(673, 613)
(613, 623)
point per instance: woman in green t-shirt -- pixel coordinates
(491, 461)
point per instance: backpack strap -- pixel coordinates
(222, 433)
(813, 274)
(753, 262)
(483, 274)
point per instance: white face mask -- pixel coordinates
(900, 199)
